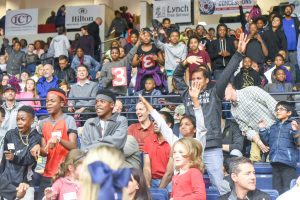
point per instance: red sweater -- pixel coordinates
(188, 186)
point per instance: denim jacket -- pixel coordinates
(88, 61)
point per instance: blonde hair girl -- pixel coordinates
(188, 181)
(109, 158)
(66, 180)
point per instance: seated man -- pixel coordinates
(84, 88)
(157, 153)
(64, 71)
(244, 180)
(107, 128)
(144, 128)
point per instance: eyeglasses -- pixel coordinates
(280, 109)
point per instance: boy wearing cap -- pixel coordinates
(11, 107)
(107, 128)
(59, 135)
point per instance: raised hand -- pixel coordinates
(21, 190)
(194, 91)
(295, 126)
(155, 34)
(242, 43)
(194, 60)
(262, 124)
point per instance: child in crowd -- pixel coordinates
(150, 91)
(195, 49)
(24, 76)
(66, 180)
(31, 59)
(175, 52)
(283, 157)
(122, 52)
(289, 66)
(39, 72)
(279, 62)
(113, 44)
(148, 59)
(30, 93)
(3, 64)
(134, 36)
(18, 162)
(279, 85)
(187, 183)
(113, 76)
(65, 86)
(59, 136)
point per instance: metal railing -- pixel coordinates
(129, 103)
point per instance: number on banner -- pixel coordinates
(119, 76)
(148, 61)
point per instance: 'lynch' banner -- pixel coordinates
(21, 22)
(179, 11)
(218, 7)
(77, 16)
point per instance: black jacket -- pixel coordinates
(7, 190)
(214, 47)
(275, 41)
(93, 30)
(67, 74)
(253, 195)
(247, 77)
(232, 135)
(210, 98)
(86, 42)
(17, 169)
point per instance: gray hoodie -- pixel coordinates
(59, 46)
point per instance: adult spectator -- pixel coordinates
(107, 128)
(144, 128)
(11, 106)
(127, 16)
(242, 173)
(156, 153)
(93, 29)
(256, 49)
(59, 136)
(60, 44)
(274, 38)
(64, 71)
(119, 25)
(249, 106)
(84, 88)
(81, 59)
(51, 18)
(16, 58)
(86, 42)
(247, 76)
(38, 48)
(221, 50)
(291, 30)
(210, 97)
(24, 44)
(48, 81)
(60, 16)
(233, 140)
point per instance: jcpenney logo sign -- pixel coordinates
(21, 19)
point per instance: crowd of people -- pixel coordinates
(96, 125)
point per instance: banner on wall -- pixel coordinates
(179, 11)
(21, 22)
(219, 7)
(77, 16)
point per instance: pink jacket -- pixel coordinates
(29, 95)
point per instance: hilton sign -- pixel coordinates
(77, 16)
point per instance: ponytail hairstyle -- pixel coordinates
(74, 157)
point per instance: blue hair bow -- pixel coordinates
(111, 181)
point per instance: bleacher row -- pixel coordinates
(263, 182)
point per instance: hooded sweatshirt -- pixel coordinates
(59, 46)
(210, 98)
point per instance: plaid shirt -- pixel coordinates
(253, 104)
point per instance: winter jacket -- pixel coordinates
(43, 86)
(89, 61)
(93, 29)
(210, 98)
(59, 46)
(115, 133)
(247, 77)
(282, 145)
(253, 195)
(67, 74)
(16, 60)
(279, 88)
(232, 135)
(215, 46)
(7, 190)
(106, 73)
(19, 169)
(10, 120)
